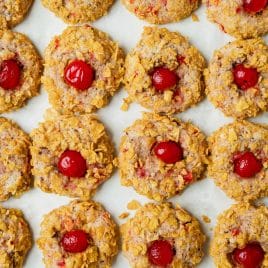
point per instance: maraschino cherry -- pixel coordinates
(163, 79)
(160, 253)
(244, 77)
(251, 256)
(79, 74)
(246, 165)
(72, 164)
(74, 241)
(169, 152)
(9, 74)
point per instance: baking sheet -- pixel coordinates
(201, 198)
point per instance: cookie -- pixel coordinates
(71, 155)
(16, 238)
(237, 78)
(12, 12)
(239, 18)
(20, 70)
(241, 236)
(81, 234)
(160, 156)
(15, 175)
(160, 235)
(239, 160)
(164, 72)
(161, 11)
(83, 69)
(74, 12)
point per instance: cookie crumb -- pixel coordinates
(206, 219)
(123, 215)
(115, 162)
(133, 205)
(195, 17)
(125, 105)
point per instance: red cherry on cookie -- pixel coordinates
(163, 78)
(246, 165)
(72, 164)
(251, 256)
(79, 75)
(9, 74)
(254, 6)
(160, 253)
(169, 152)
(244, 77)
(74, 241)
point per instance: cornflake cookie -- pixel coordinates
(164, 72)
(240, 237)
(16, 238)
(237, 78)
(160, 156)
(12, 12)
(162, 236)
(15, 177)
(78, 11)
(240, 18)
(83, 69)
(81, 234)
(161, 11)
(71, 156)
(239, 160)
(20, 70)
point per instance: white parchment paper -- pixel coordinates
(202, 198)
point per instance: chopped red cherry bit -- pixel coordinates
(251, 256)
(79, 74)
(125, 150)
(244, 77)
(57, 43)
(151, 9)
(164, 2)
(254, 6)
(163, 79)
(169, 152)
(235, 231)
(222, 28)
(72, 164)
(160, 253)
(181, 59)
(246, 165)
(61, 263)
(178, 96)
(188, 178)
(9, 74)
(75, 241)
(141, 172)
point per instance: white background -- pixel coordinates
(202, 198)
